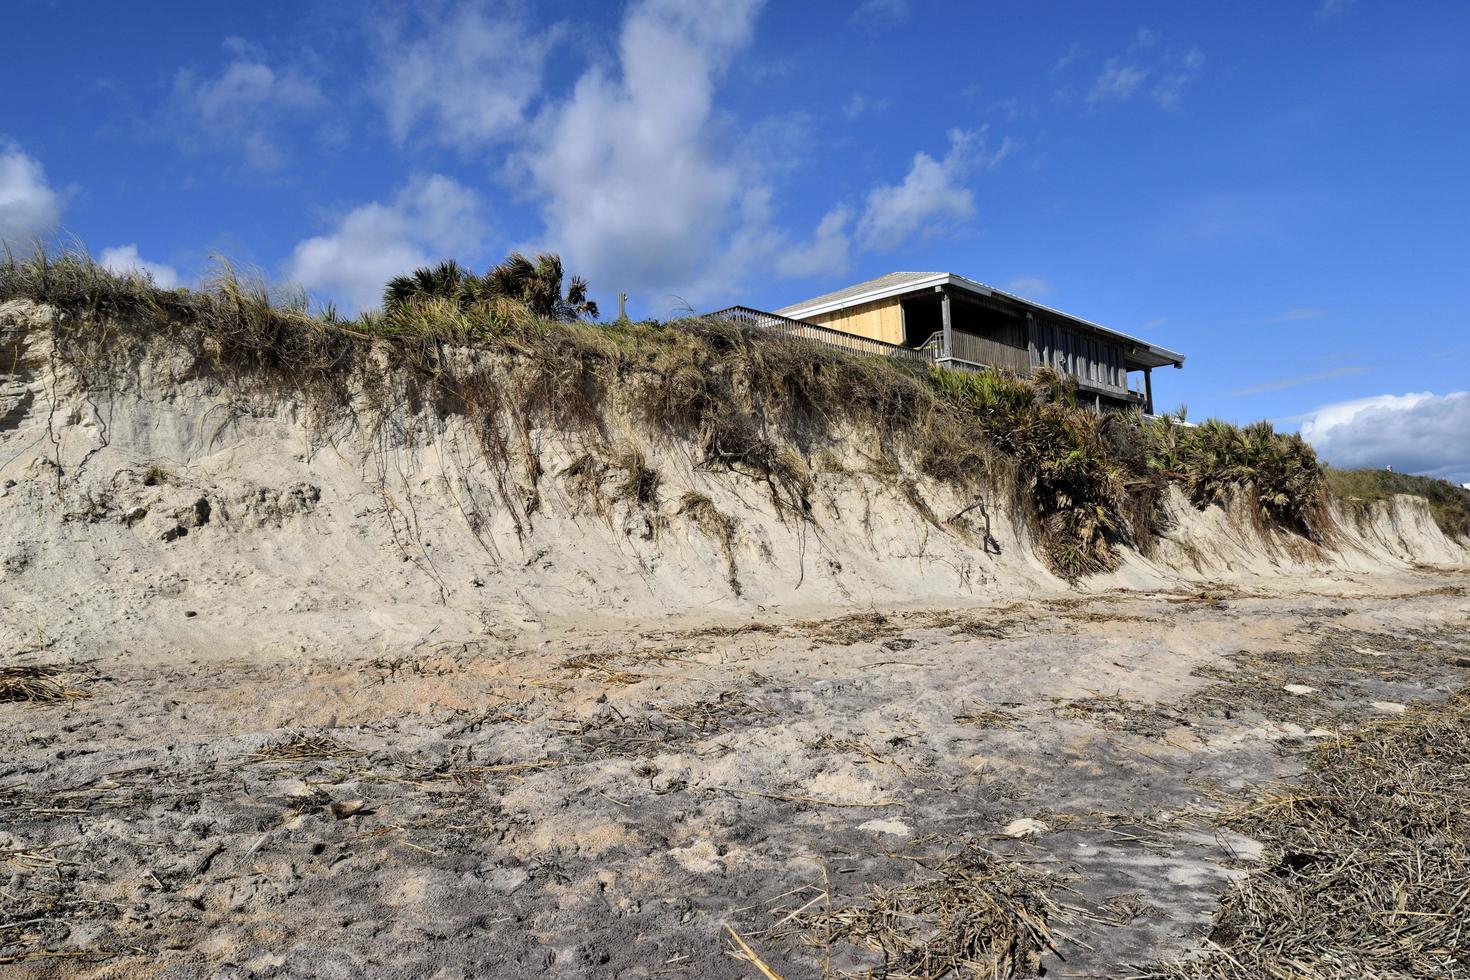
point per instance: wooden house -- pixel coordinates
(960, 323)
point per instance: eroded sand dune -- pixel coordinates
(320, 701)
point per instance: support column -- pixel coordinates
(948, 332)
(1148, 390)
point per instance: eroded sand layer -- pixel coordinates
(583, 801)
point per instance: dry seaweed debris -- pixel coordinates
(1368, 862)
(300, 747)
(1115, 714)
(977, 915)
(984, 716)
(666, 728)
(35, 684)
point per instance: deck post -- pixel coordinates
(1148, 391)
(948, 333)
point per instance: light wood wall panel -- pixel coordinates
(881, 320)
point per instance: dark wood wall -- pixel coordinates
(1088, 357)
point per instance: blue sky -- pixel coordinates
(1276, 189)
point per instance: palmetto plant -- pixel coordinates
(538, 284)
(443, 281)
(535, 284)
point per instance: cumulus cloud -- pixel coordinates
(828, 253)
(933, 196)
(465, 78)
(245, 103)
(29, 206)
(632, 186)
(1420, 432)
(645, 186)
(125, 259)
(426, 221)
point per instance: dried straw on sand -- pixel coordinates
(1368, 870)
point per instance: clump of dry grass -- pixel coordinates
(974, 915)
(300, 747)
(984, 716)
(668, 726)
(718, 527)
(35, 684)
(1116, 714)
(863, 627)
(1367, 870)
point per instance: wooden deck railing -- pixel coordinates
(823, 335)
(971, 353)
(992, 353)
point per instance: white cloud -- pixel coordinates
(245, 104)
(426, 221)
(125, 258)
(634, 190)
(1029, 287)
(1118, 82)
(1147, 69)
(860, 105)
(1301, 313)
(1332, 8)
(1176, 76)
(932, 197)
(1070, 55)
(29, 206)
(645, 185)
(828, 253)
(878, 14)
(1297, 380)
(1420, 432)
(465, 78)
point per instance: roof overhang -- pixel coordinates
(1139, 353)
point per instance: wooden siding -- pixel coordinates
(880, 320)
(824, 335)
(992, 353)
(1088, 358)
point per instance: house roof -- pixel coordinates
(1140, 351)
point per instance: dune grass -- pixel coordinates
(750, 402)
(1359, 490)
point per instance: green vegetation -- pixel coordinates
(509, 351)
(1359, 490)
(1077, 477)
(1088, 481)
(535, 285)
(1215, 460)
